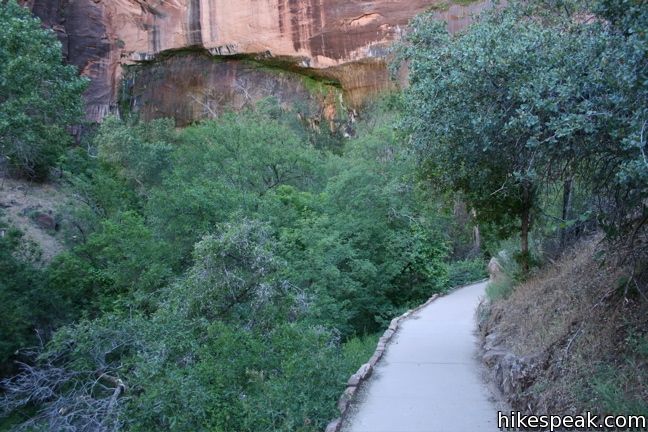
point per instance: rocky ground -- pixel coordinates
(33, 208)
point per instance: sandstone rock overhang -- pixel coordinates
(342, 41)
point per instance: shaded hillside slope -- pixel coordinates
(571, 339)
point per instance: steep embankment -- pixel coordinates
(571, 339)
(342, 44)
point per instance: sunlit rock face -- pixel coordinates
(343, 42)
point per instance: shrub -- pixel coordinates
(500, 289)
(466, 271)
(612, 391)
(19, 287)
(225, 350)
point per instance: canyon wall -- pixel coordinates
(186, 57)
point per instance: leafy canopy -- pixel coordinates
(529, 96)
(39, 96)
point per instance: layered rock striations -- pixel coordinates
(220, 42)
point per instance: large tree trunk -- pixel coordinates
(567, 198)
(524, 240)
(527, 200)
(476, 232)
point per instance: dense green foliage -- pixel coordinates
(225, 349)
(530, 98)
(466, 271)
(16, 306)
(30, 309)
(39, 97)
(227, 274)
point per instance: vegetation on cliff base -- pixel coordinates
(227, 276)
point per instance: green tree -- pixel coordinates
(224, 169)
(365, 246)
(141, 153)
(39, 96)
(525, 98)
(618, 165)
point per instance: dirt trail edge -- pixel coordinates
(430, 379)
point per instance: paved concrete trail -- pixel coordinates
(430, 379)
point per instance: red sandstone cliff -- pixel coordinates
(344, 41)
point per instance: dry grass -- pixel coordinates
(589, 338)
(17, 197)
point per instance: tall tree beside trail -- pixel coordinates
(39, 96)
(527, 97)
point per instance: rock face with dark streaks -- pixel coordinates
(343, 42)
(81, 28)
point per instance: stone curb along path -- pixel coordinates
(364, 372)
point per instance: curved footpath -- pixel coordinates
(429, 379)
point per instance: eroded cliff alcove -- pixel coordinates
(190, 59)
